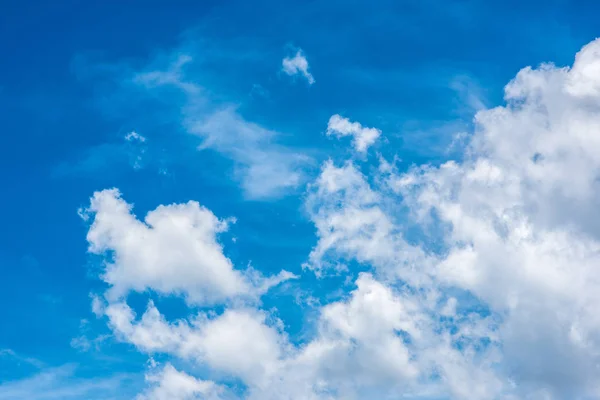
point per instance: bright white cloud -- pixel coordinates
(171, 384)
(238, 342)
(175, 250)
(297, 65)
(523, 237)
(358, 230)
(363, 137)
(516, 218)
(369, 323)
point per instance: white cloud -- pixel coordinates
(516, 219)
(171, 384)
(359, 229)
(378, 341)
(173, 251)
(382, 343)
(238, 342)
(297, 65)
(523, 237)
(369, 323)
(363, 137)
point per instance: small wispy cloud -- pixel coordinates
(174, 75)
(86, 340)
(130, 151)
(264, 167)
(62, 383)
(12, 356)
(297, 65)
(470, 95)
(363, 137)
(136, 149)
(133, 136)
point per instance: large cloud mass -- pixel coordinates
(492, 294)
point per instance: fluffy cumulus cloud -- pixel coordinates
(238, 342)
(171, 384)
(482, 275)
(519, 228)
(362, 137)
(173, 251)
(297, 65)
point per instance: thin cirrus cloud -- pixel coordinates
(264, 167)
(62, 383)
(297, 65)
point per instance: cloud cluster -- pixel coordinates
(493, 295)
(521, 234)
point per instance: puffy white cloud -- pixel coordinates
(523, 237)
(173, 251)
(584, 77)
(347, 217)
(238, 342)
(171, 384)
(363, 336)
(357, 348)
(297, 65)
(381, 342)
(352, 223)
(363, 137)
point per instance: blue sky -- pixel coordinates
(192, 101)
